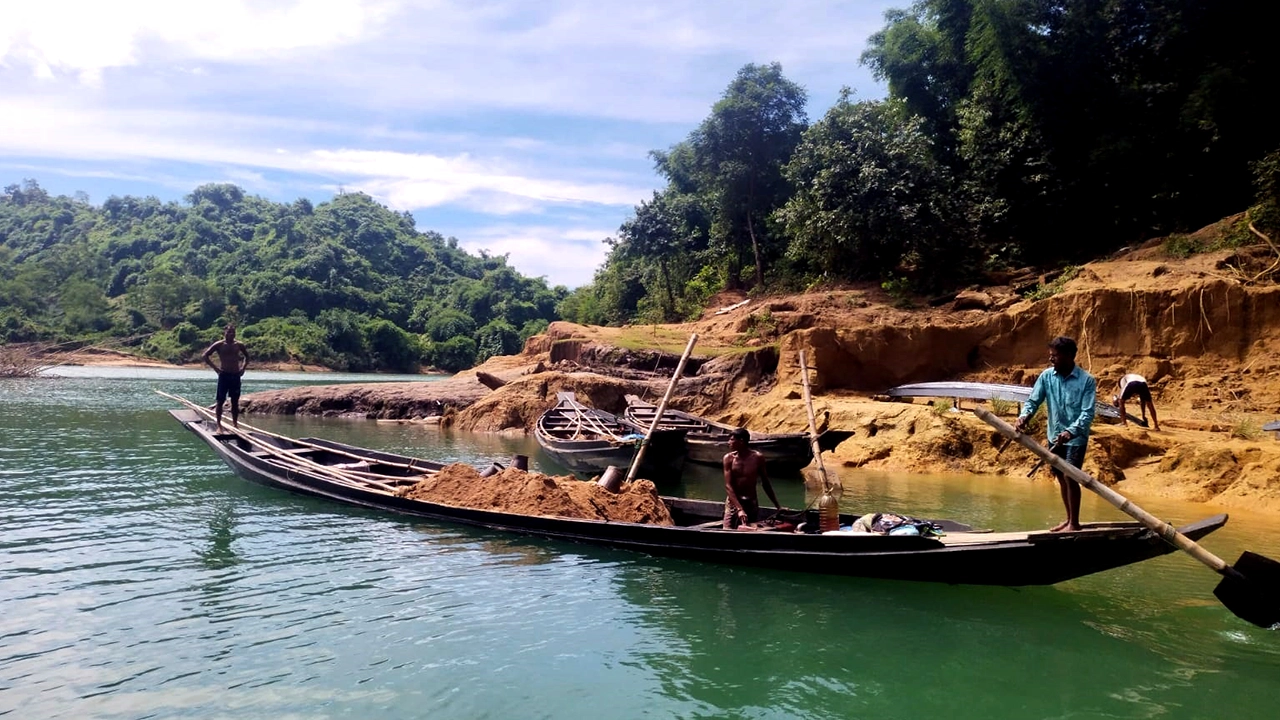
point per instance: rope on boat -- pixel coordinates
(591, 423)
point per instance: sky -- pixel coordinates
(519, 127)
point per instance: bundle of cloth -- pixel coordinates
(894, 524)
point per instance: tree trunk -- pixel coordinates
(755, 248)
(666, 280)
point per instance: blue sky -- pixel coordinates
(521, 128)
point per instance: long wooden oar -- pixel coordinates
(1250, 588)
(662, 406)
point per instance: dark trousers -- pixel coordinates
(229, 385)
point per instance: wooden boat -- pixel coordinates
(991, 391)
(707, 441)
(959, 556)
(586, 440)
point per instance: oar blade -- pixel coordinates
(1252, 592)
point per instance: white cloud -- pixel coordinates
(565, 256)
(86, 38)
(405, 180)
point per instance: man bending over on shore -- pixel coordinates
(742, 466)
(1071, 394)
(229, 368)
(1132, 385)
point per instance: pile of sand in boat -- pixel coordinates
(530, 493)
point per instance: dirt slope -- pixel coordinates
(1205, 340)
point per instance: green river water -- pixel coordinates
(139, 578)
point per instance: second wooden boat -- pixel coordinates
(707, 441)
(586, 441)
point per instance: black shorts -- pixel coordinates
(1073, 454)
(1139, 389)
(228, 385)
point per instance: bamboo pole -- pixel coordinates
(662, 406)
(1122, 503)
(336, 451)
(813, 426)
(331, 473)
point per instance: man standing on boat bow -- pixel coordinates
(742, 466)
(1071, 395)
(230, 369)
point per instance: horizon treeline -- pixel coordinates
(1016, 132)
(348, 284)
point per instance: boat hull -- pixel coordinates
(1036, 558)
(587, 441)
(707, 442)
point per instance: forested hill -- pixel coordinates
(348, 284)
(1016, 132)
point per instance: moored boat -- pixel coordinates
(707, 441)
(586, 440)
(323, 469)
(992, 391)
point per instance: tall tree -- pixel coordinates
(870, 196)
(735, 160)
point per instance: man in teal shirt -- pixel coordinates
(1071, 394)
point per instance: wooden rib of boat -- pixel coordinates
(707, 441)
(586, 440)
(991, 391)
(961, 556)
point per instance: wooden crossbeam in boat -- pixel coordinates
(291, 451)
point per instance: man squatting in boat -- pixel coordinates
(1134, 385)
(742, 466)
(229, 369)
(1071, 394)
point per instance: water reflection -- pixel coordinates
(218, 553)
(760, 643)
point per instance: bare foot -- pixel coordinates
(1059, 527)
(1066, 527)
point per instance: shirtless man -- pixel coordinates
(742, 466)
(1134, 385)
(230, 351)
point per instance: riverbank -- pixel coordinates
(1208, 342)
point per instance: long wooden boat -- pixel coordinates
(960, 556)
(586, 440)
(707, 441)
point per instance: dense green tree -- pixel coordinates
(498, 337)
(734, 160)
(870, 196)
(338, 283)
(456, 353)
